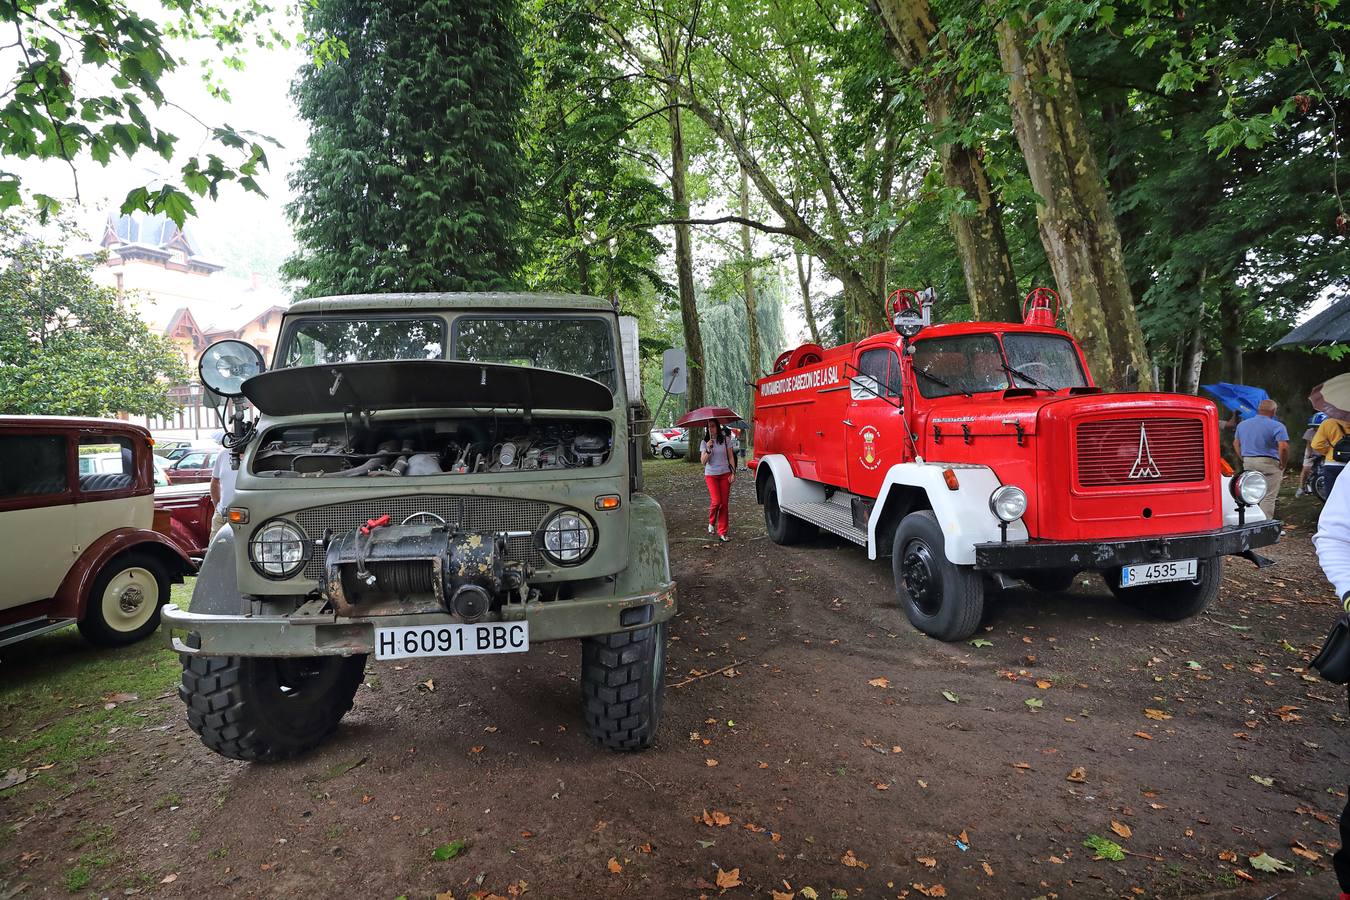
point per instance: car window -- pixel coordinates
(878, 375)
(111, 463)
(32, 465)
(192, 461)
(312, 342)
(1043, 361)
(581, 345)
(969, 363)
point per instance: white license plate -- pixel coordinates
(451, 640)
(1155, 573)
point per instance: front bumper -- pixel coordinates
(1232, 540)
(328, 634)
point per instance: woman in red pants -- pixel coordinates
(718, 471)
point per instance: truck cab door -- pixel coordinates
(874, 426)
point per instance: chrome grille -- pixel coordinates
(466, 513)
(1140, 451)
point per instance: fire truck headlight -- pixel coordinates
(1008, 502)
(1249, 488)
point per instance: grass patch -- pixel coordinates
(51, 699)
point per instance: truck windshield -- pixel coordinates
(959, 365)
(1043, 361)
(580, 345)
(313, 342)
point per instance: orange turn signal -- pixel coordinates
(1225, 467)
(607, 502)
(950, 477)
(236, 515)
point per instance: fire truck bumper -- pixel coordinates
(1236, 540)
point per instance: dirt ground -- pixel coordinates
(813, 742)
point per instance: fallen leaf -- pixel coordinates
(988, 869)
(14, 777)
(613, 865)
(1034, 702)
(1261, 779)
(643, 848)
(169, 879)
(809, 893)
(935, 890)
(1245, 876)
(783, 895)
(981, 642)
(1306, 853)
(429, 685)
(881, 786)
(1055, 859)
(1021, 765)
(716, 818)
(1227, 856)
(1144, 735)
(478, 749)
(753, 828)
(1078, 775)
(881, 682)
(1156, 714)
(1267, 863)
(728, 879)
(928, 861)
(710, 763)
(1043, 684)
(1121, 829)
(852, 861)
(951, 698)
(1105, 849)
(763, 765)
(449, 851)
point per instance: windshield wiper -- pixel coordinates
(938, 381)
(1018, 373)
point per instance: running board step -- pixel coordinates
(833, 517)
(12, 634)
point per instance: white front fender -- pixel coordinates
(963, 513)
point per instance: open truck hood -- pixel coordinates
(421, 384)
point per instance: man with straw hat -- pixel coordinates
(1263, 443)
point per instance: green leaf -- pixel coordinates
(951, 697)
(1104, 848)
(449, 851)
(1262, 779)
(1267, 863)
(981, 642)
(1192, 664)
(1034, 702)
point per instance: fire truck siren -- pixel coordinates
(1037, 308)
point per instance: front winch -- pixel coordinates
(383, 569)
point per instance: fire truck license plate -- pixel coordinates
(451, 640)
(1153, 573)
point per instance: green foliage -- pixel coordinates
(1104, 847)
(87, 78)
(726, 333)
(414, 172)
(69, 346)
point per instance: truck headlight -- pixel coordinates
(569, 537)
(1008, 503)
(1249, 488)
(277, 549)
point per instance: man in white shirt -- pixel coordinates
(222, 489)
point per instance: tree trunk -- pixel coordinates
(1077, 226)
(684, 266)
(748, 261)
(1230, 307)
(980, 239)
(804, 282)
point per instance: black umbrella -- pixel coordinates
(1330, 326)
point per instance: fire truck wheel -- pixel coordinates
(623, 678)
(784, 528)
(267, 708)
(1173, 601)
(942, 599)
(1049, 581)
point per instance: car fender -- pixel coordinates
(791, 489)
(648, 568)
(217, 587)
(963, 513)
(1230, 506)
(73, 594)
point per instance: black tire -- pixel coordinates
(667, 452)
(1319, 485)
(266, 708)
(942, 599)
(1174, 600)
(623, 681)
(783, 528)
(1050, 581)
(141, 586)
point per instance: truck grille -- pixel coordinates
(1140, 451)
(468, 513)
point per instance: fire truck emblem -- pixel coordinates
(1144, 465)
(870, 457)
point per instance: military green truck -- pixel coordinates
(425, 475)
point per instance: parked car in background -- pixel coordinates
(165, 446)
(186, 447)
(674, 446)
(78, 536)
(193, 466)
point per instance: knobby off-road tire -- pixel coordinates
(623, 680)
(124, 601)
(264, 708)
(783, 528)
(1175, 600)
(1049, 581)
(942, 599)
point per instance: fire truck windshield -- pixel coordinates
(1043, 360)
(966, 364)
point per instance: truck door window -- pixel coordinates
(967, 364)
(32, 465)
(878, 375)
(1043, 360)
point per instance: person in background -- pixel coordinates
(1309, 455)
(1332, 542)
(222, 489)
(1328, 435)
(1262, 442)
(735, 449)
(718, 471)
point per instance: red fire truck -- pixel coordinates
(981, 453)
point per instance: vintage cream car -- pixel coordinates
(80, 539)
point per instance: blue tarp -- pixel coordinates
(1240, 398)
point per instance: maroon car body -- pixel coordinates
(193, 467)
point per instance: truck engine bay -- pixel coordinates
(362, 447)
